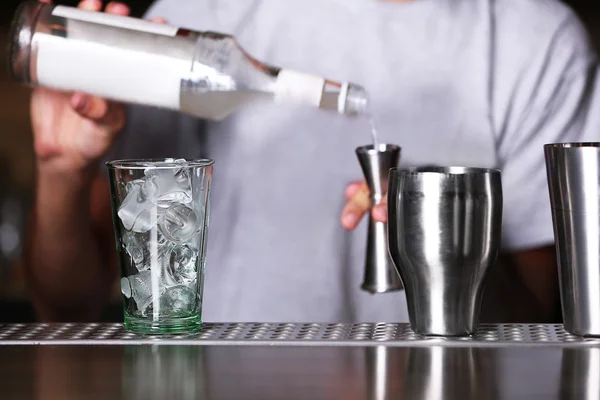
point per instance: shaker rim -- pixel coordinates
(572, 145)
(445, 170)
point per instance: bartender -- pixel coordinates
(477, 83)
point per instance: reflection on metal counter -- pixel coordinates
(164, 372)
(580, 374)
(283, 372)
(440, 373)
(384, 374)
(429, 373)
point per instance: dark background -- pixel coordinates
(17, 161)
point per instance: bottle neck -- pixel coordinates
(344, 98)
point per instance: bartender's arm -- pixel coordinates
(70, 255)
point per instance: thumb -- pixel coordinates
(100, 111)
(89, 107)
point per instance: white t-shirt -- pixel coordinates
(482, 83)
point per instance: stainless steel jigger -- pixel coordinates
(380, 274)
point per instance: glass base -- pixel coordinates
(166, 326)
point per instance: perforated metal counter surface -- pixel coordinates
(296, 361)
(291, 334)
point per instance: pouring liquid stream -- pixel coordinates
(374, 134)
(373, 127)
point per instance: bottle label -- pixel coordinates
(117, 21)
(292, 86)
(67, 65)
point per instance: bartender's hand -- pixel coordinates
(70, 256)
(72, 131)
(359, 203)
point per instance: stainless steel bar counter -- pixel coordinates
(289, 361)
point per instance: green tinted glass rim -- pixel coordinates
(160, 163)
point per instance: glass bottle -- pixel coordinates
(205, 74)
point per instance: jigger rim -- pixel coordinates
(445, 170)
(381, 148)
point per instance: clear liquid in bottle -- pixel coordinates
(205, 74)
